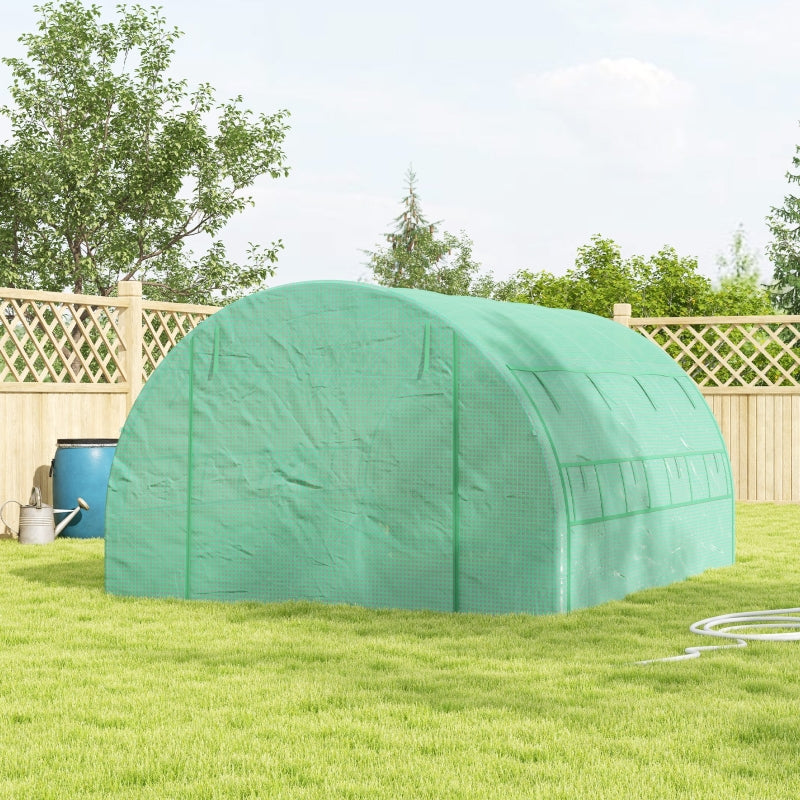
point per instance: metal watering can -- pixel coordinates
(36, 522)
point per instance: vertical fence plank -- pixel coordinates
(734, 449)
(737, 446)
(768, 468)
(752, 446)
(777, 446)
(788, 444)
(761, 438)
(795, 448)
(742, 410)
(723, 414)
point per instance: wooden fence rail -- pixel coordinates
(71, 367)
(748, 369)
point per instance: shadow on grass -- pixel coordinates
(87, 573)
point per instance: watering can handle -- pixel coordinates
(1, 513)
(36, 497)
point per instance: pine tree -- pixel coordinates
(410, 223)
(418, 257)
(784, 250)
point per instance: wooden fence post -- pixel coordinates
(131, 319)
(622, 314)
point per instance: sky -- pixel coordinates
(530, 126)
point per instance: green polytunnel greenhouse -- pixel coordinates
(349, 443)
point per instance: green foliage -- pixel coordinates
(740, 297)
(126, 698)
(784, 249)
(113, 165)
(671, 287)
(663, 285)
(539, 288)
(599, 274)
(419, 258)
(436, 263)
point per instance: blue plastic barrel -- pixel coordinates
(80, 469)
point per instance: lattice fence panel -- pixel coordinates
(163, 329)
(48, 341)
(724, 353)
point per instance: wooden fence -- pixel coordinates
(748, 369)
(71, 367)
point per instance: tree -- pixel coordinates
(538, 288)
(410, 223)
(739, 297)
(784, 249)
(670, 285)
(418, 258)
(114, 166)
(600, 278)
(663, 285)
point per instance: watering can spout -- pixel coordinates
(64, 522)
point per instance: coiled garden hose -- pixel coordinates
(735, 624)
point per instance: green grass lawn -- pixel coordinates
(110, 697)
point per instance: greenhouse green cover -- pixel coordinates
(349, 443)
